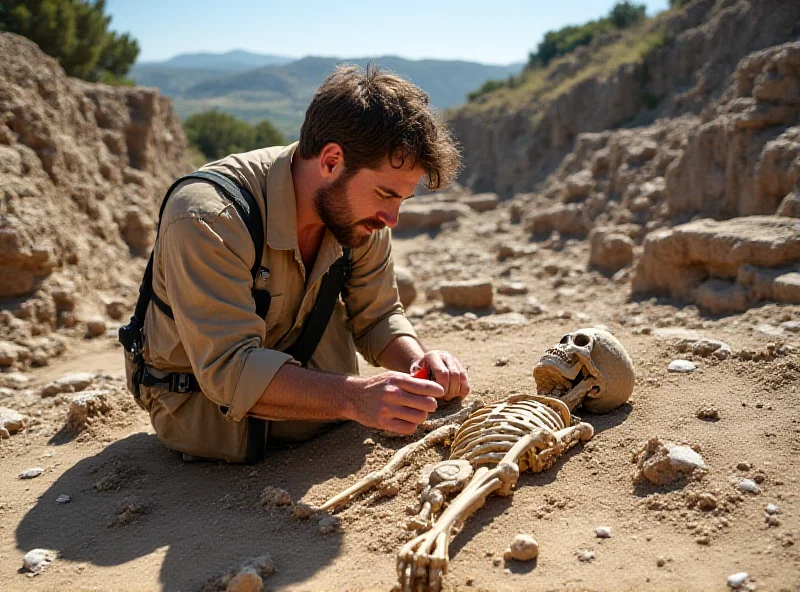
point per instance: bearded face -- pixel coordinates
(334, 207)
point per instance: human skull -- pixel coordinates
(589, 363)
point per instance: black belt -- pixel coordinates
(176, 382)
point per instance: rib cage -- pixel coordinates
(492, 430)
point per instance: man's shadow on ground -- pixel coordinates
(135, 497)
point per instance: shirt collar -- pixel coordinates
(282, 202)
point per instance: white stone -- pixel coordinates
(748, 485)
(769, 330)
(63, 499)
(738, 579)
(31, 473)
(523, 548)
(586, 556)
(771, 509)
(11, 420)
(686, 458)
(791, 326)
(71, 383)
(37, 560)
(603, 532)
(682, 366)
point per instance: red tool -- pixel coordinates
(424, 374)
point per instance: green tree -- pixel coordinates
(76, 33)
(218, 134)
(267, 135)
(625, 14)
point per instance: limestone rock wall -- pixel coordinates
(82, 170)
(511, 150)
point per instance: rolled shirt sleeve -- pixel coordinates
(206, 263)
(375, 313)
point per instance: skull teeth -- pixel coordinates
(560, 354)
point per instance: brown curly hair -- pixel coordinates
(375, 115)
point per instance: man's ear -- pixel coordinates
(331, 161)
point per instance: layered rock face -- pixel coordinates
(511, 149)
(82, 170)
(725, 266)
(725, 145)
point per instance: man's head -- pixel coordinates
(375, 136)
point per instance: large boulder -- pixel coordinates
(469, 294)
(405, 285)
(610, 251)
(430, 216)
(567, 219)
(724, 266)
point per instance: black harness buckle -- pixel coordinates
(180, 383)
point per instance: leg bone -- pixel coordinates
(398, 460)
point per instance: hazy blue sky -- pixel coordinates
(494, 32)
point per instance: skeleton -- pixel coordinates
(525, 432)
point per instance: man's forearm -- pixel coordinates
(299, 394)
(391, 401)
(401, 352)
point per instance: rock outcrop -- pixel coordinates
(723, 266)
(82, 170)
(511, 145)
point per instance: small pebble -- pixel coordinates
(708, 414)
(507, 571)
(31, 473)
(469, 581)
(706, 501)
(748, 485)
(738, 579)
(682, 366)
(63, 499)
(369, 442)
(773, 521)
(523, 548)
(327, 524)
(771, 509)
(36, 560)
(661, 562)
(603, 532)
(586, 556)
(497, 561)
(744, 466)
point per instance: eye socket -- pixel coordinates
(565, 339)
(582, 340)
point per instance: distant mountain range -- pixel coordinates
(257, 86)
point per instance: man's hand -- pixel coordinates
(394, 401)
(447, 372)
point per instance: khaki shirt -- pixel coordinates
(202, 262)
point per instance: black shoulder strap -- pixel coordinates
(246, 205)
(333, 283)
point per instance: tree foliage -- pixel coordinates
(565, 40)
(76, 33)
(218, 134)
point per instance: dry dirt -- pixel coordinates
(141, 519)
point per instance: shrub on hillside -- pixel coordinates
(566, 39)
(76, 33)
(218, 134)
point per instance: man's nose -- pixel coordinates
(389, 218)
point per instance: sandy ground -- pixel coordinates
(141, 519)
